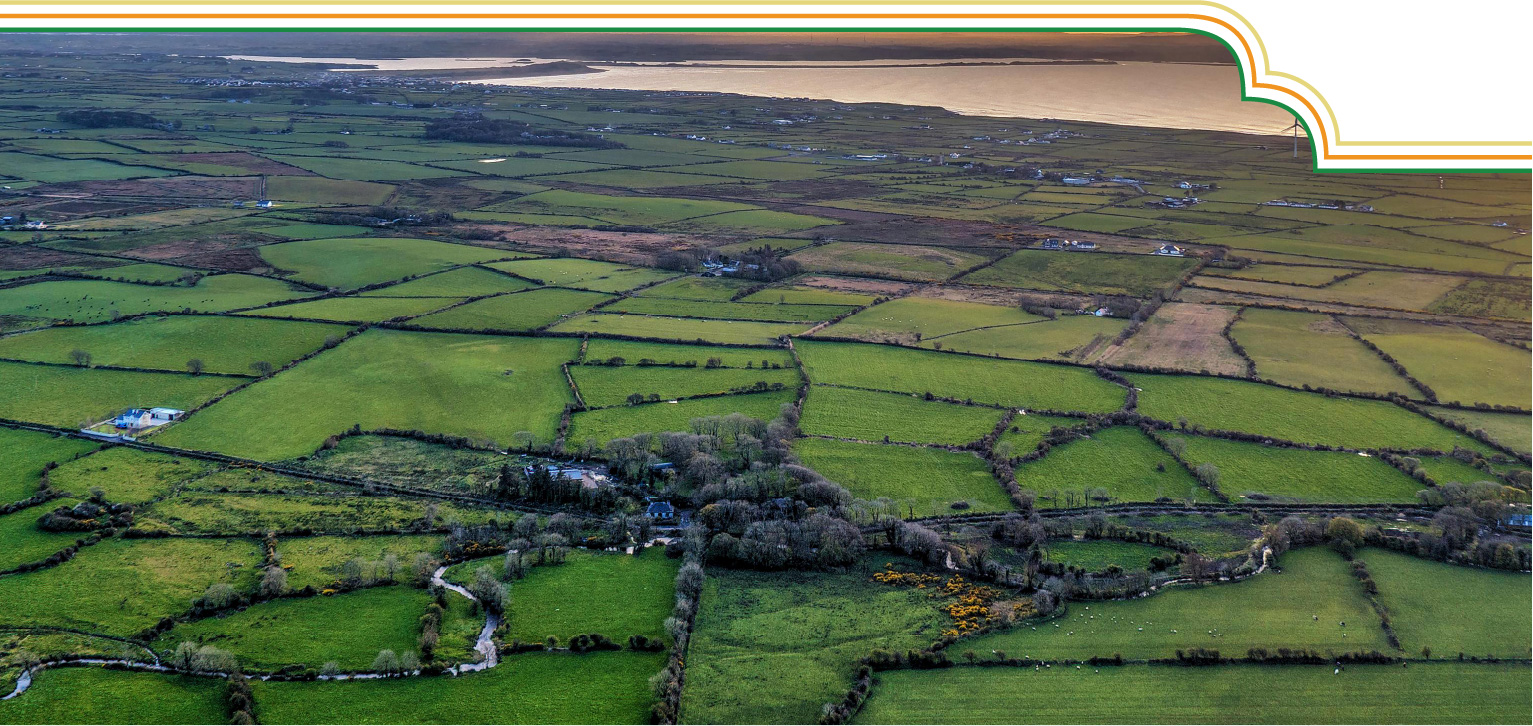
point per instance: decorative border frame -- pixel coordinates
(1257, 79)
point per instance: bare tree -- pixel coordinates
(261, 368)
(80, 358)
(195, 366)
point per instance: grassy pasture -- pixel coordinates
(23, 454)
(356, 309)
(517, 312)
(349, 629)
(223, 344)
(21, 541)
(902, 262)
(853, 414)
(351, 262)
(320, 190)
(127, 475)
(1094, 272)
(633, 351)
(119, 587)
(1292, 415)
(768, 312)
(717, 289)
(1121, 460)
(1097, 555)
(532, 688)
(1290, 274)
(1296, 348)
(756, 221)
(606, 424)
(611, 386)
(1444, 469)
(70, 395)
(44, 169)
(455, 384)
(1010, 383)
(1249, 471)
(1427, 602)
(234, 513)
(336, 167)
(1509, 429)
(89, 301)
(910, 320)
(771, 647)
(1314, 250)
(642, 179)
(317, 560)
(1301, 607)
(460, 282)
(1457, 364)
(584, 274)
(1071, 337)
(519, 167)
(616, 210)
(743, 332)
(1487, 298)
(1396, 290)
(1181, 336)
(755, 169)
(1026, 432)
(577, 597)
(807, 295)
(141, 272)
(1446, 693)
(100, 696)
(925, 481)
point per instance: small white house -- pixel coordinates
(1170, 251)
(134, 418)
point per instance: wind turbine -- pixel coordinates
(1295, 129)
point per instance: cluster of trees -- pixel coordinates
(764, 264)
(477, 129)
(388, 664)
(86, 516)
(541, 485)
(431, 628)
(99, 119)
(689, 590)
(537, 542)
(190, 657)
(1458, 539)
(239, 702)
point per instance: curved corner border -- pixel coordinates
(1211, 19)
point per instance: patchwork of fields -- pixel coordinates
(560, 406)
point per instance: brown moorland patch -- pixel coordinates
(1181, 336)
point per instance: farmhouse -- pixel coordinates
(134, 418)
(660, 511)
(1170, 250)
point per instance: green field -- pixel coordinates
(578, 597)
(911, 319)
(633, 352)
(71, 396)
(357, 309)
(1252, 472)
(606, 424)
(1098, 555)
(717, 289)
(900, 262)
(23, 454)
(1122, 460)
(740, 332)
(770, 312)
(1446, 693)
(1510, 429)
(584, 274)
(90, 301)
(120, 587)
(519, 312)
(1301, 607)
(921, 481)
(347, 629)
(223, 344)
(1094, 272)
(1422, 594)
(1457, 364)
(1071, 337)
(317, 561)
(1026, 432)
(327, 191)
(459, 282)
(770, 647)
(100, 696)
(535, 688)
(1292, 415)
(213, 512)
(22, 541)
(807, 295)
(870, 416)
(611, 386)
(1010, 383)
(485, 388)
(1300, 349)
(128, 475)
(350, 262)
